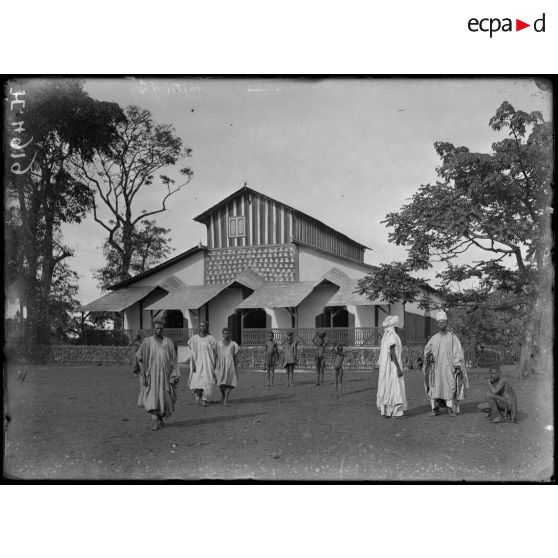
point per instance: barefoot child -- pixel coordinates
(290, 350)
(271, 356)
(225, 371)
(338, 367)
(501, 398)
(320, 343)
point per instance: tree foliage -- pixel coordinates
(118, 175)
(499, 204)
(151, 246)
(59, 121)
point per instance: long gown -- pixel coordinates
(440, 380)
(225, 371)
(390, 399)
(160, 366)
(202, 375)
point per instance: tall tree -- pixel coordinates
(151, 246)
(498, 203)
(142, 149)
(49, 122)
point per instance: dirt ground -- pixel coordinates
(83, 423)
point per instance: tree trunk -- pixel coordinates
(525, 366)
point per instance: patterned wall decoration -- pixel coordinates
(272, 263)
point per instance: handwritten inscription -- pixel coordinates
(189, 89)
(18, 143)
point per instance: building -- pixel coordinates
(265, 265)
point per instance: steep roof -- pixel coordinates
(279, 295)
(192, 297)
(119, 300)
(159, 267)
(202, 216)
(187, 298)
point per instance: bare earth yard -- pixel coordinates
(83, 423)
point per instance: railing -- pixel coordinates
(351, 336)
(124, 337)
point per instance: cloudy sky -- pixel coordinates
(346, 151)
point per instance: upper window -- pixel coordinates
(236, 227)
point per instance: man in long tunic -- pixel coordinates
(445, 376)
(390, 399)
(159, 375)
(204, 356)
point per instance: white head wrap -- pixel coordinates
(441, 315)
(391, 321)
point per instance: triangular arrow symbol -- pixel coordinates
(519, 25)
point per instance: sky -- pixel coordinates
(345, 151)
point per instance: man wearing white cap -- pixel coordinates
(445, 377)
(390, 399)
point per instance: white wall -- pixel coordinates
(280, 317)
(314, 304)
(220, 308)
(312, 264)
(398, 310)
(364, 315)
(189, 270)
(132, 317)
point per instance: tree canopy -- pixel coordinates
(57, 121)
(498, 203)
(134, 162)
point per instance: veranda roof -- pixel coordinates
(119, 300)
(187, 298)
(279, 295)
(346, 295)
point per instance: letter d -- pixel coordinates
(535, 25)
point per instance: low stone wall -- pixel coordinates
(357, 358)
(100, 355)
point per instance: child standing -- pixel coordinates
(225, 369)
(271, 352)
(320, 343)
(338, 367)
(290, 350)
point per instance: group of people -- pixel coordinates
(213, 364)
(288, 358)
(445, 376)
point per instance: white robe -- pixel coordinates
(390, 399)
(202, 375)
(160, 368)
(440, 379)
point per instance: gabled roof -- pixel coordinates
(202, 216)
(192, 297)
(347, 295)
(279, 295)
(187, 298)
(336, 276)
(171, 283)
(119, 300)
(249, 278)
(159, 267)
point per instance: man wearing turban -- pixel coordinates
(390, 398)
(445, 377)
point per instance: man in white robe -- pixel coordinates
(390, 399)
(203, 360)
(159, 375)
(445, 376)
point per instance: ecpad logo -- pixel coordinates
(494, 24)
